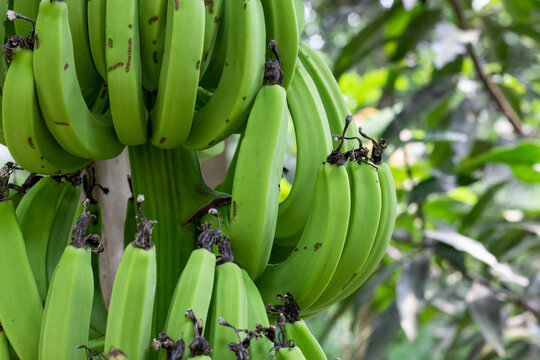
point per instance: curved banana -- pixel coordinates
(363, 224)
(26, 134)
(172, 115)
(36, 213)
(193, 291)
(240, 80)
(382, 239)
(309, 268)
(255, 191)
(66, 318)
(293, 353)
(230, 302)
(281, 26)
(329, 91)
(152, 20)
(123, 59)
(212, 19)
(20, 305)
(4, 345)
(66, 215)
(96, 17)
(129, 324)
(259, 348)
(66, 114)
(28, 8)
(87, 75)
(313, 141)
(304, 339)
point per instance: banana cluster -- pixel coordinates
(168, 78)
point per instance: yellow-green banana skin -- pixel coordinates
(282, 26)
(259, 348)
(26, 135)
(363, 225)
(193, 291)
(36, 213)
(240, 80)
(66, 114)
(304, 339)
(311, 264)
(290, 354)
(20, 305)
(66, 318)
(313, 139)
(4, 345)
(152, 20)
(212, 19)
(123, 59)
(96, 12)
(229, 301)
(179, 77)
(255, 193)
(129, 323)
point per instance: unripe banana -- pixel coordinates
(193, 291)
(230, 302)
(66, 114)
(36, 214)
(240, 80)
(172, 116)
(293, 353)
(129, 324)
(4, 345)
(310, 266)
(123, 59)
(304, 339)
(96, 10)
(212, 19)
(66, 319)
(20, 305)
(255, 191)
(26, 134)
(152, 20)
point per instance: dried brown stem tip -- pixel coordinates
(79, 239)
(273, 75)
(143, 236)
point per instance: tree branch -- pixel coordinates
(492, 89)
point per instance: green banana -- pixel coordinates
(240, 80)
(304, 339)
(28, 8)
(256, 316)
(65, 218)
(101, 104)
(66, 114)
(299, 11)
(66, 318)
(26, 135)
(123, 59)
(329, 91)
(309, 268)
(173, 114)
(292, 353)
(193, 291)
(212, 19)
(230, 302)
(129, 324)
(281, 26)
(87, 75)
(4, 345)
(381, 241)
(152, 20)
(4, 4)
(255, 191)
(313, 141)
(96, 13)
(36, 213)
(20, 305)
(364, 221)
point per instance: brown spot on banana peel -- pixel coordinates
(130, 26)
(234, 208)
(162, 140)
(176, 5)
(66, 66)
(128, 64)
(61, 123)
(36, 42)
(198, 65)
(152, 19)
(317, 246)
(110, 43)
(115, 66)
(154, 57)
(31, 143)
